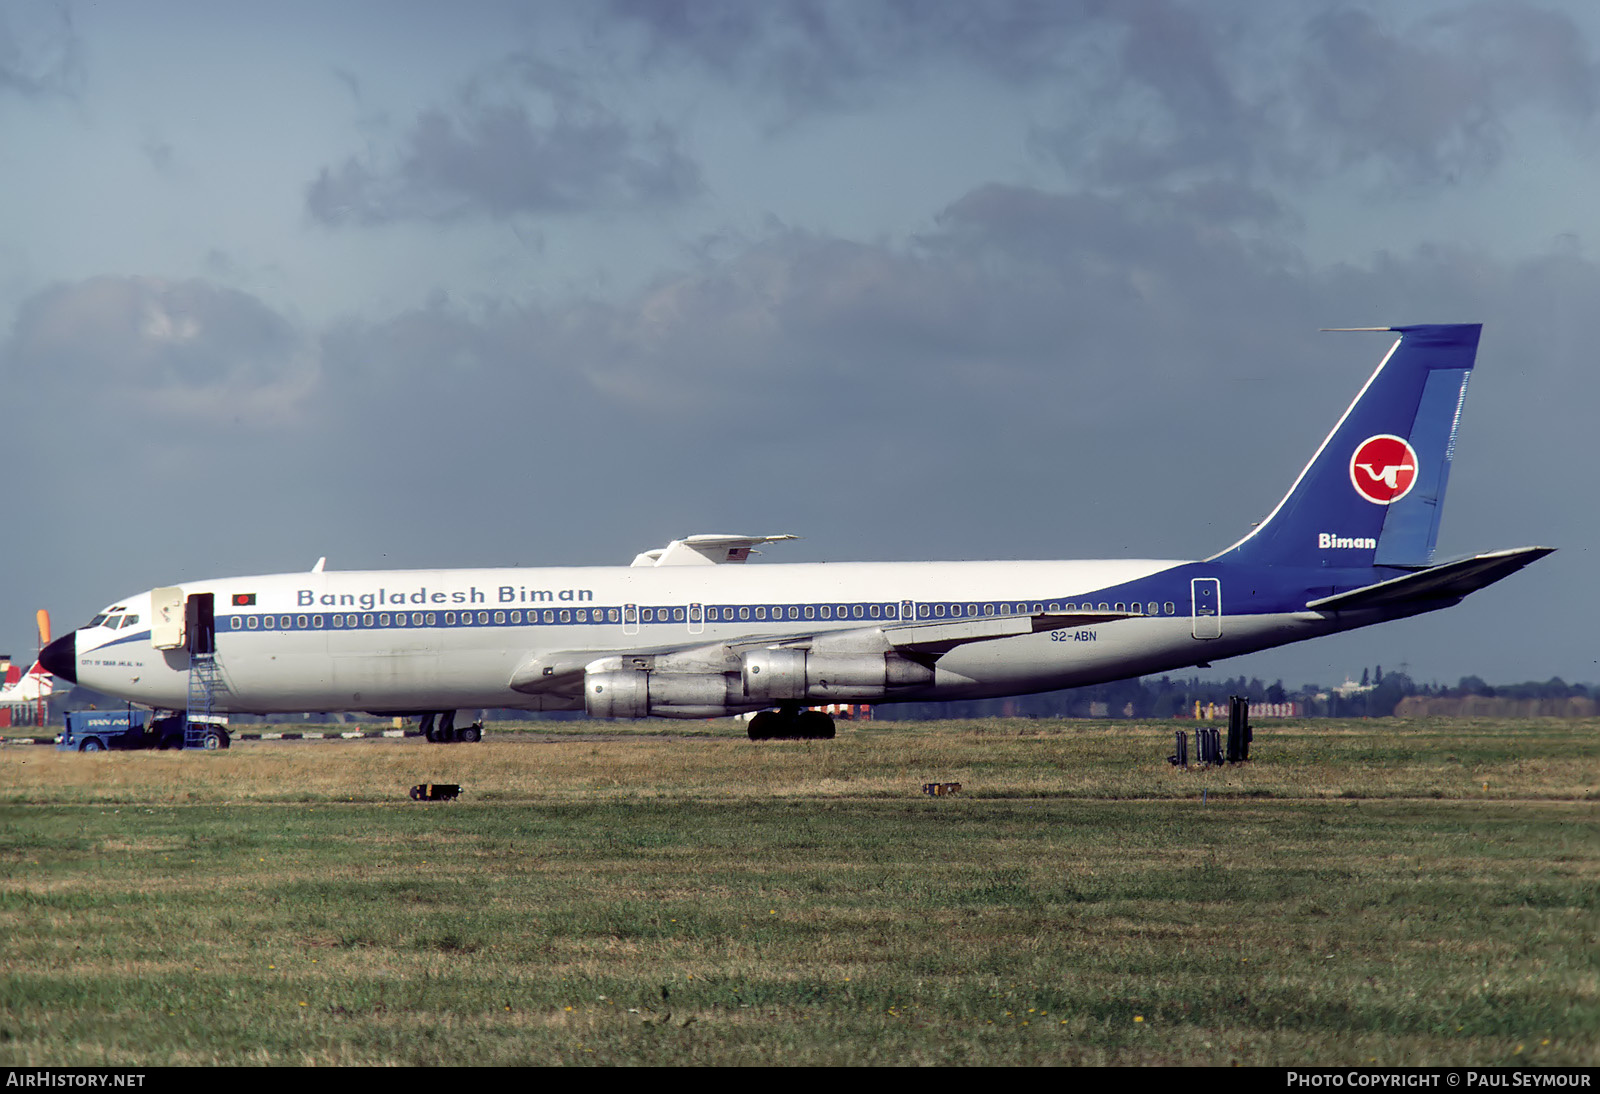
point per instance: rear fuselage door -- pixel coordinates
(1206, 596)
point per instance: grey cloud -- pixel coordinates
(545, 148)
(185, 351)
(823, 55)
(1437, 100)
(1163, 92)
(41, 54)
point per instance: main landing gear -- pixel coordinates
(446, 732)
(790, 723)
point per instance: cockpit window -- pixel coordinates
(113, 621)
(96, 621)
(129, 620)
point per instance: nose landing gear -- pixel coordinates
(445, 732)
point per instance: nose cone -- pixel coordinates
(60, 658)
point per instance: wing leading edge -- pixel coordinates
(924, 641)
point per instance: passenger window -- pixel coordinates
(761, 612)
(938, 610)
(1138, 608)
(483, 617)
(611, 614)
(566, 616)
(253, 622)
(1169, 607)
(499, 617)
(856, 611)
(1103, 607)
(583, 616)
(383, 619)
(1119, 607)
(744, 613)
(874, 611)
(549, 616)
(922, 611)
(316, 622)
(811, 611)
(827, 611)
(677, 615)
(432, 619)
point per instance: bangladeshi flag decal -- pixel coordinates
(243, 600)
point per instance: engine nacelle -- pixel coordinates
(637, 693)
(785, 675)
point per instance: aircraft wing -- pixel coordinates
(1449, 581)
(562, 672)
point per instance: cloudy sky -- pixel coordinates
(416, 284)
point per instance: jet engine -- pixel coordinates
(638, 693)
(784, 675)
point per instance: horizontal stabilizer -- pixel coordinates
(1451, 581)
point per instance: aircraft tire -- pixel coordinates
(766, 726)
(470, 734)
(813, 725)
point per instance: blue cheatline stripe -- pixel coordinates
(865, 612)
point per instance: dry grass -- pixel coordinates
(1353, 895)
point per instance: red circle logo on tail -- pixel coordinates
(1384, 468)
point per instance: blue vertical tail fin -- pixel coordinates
(1372, 494)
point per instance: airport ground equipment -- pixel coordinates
(130, 730)
(1238, 729)
(435, 792)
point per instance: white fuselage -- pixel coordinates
(446, 639)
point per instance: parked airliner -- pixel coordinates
(32, 686)
(691, 631)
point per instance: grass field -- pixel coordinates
(1389, 892)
